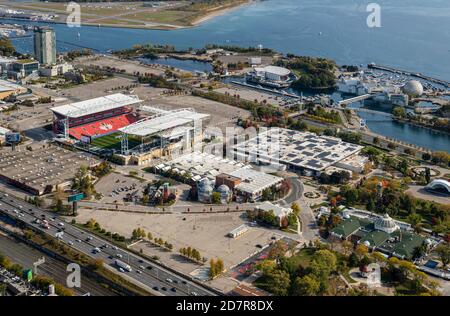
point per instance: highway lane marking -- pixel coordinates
(76, 229)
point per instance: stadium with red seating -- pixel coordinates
(95, 117)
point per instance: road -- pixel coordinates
(193, 208)
(26, 256)
(159, 280)
(309, 228)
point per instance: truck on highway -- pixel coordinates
(123, 265)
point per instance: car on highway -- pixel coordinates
(70, 243)
(61, 224)
(142, 267)
(169, 280)
(149, 267)
(173, 289)
(164, 288)
(138, 271)
(119, 256)
(121, 270)
(96, 250)
(78, 240)
(156, 288)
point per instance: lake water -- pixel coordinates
(405, 132)
(415, 35)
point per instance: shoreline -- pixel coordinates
(218, 12)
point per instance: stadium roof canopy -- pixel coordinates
(163, 122)
(91, 106)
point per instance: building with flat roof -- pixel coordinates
(41, 170)
(22, 68)
(279, 211)
(246, 183)
(253, 183)
(45, 45)
(305, 152)
(238, 231)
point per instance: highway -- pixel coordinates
(26, 255)
(160, 280)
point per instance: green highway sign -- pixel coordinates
(75, 197)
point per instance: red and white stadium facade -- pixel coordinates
(95, 117)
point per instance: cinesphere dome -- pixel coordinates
(413, 88)
(386, 224)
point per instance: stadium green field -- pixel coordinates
(112, 141)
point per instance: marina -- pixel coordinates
(412, 74)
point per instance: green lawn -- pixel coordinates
(112, 141)
(303, 257)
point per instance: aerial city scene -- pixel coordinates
(224, 148)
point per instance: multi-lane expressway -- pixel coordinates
(160, 280)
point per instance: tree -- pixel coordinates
(277, 282)
(353, 260)
(277, 250)
(399, 112)
(361, 250)
(59, 206)
(426, 156)
(6, 47)
(149, 236)
(427, 175)
(296, 209)
(219, 266)
(323, 263)
(443, 251)
(306, 286)
(378, 257)
(82, 181)
(215, 198)
(212, 269)
(265, 266)
(415, 220)
(347, 246)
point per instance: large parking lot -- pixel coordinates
(259, 96)
(205, 232)
(115, 187)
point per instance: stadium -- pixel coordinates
(109, 126)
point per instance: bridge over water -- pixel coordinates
(355, 99)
